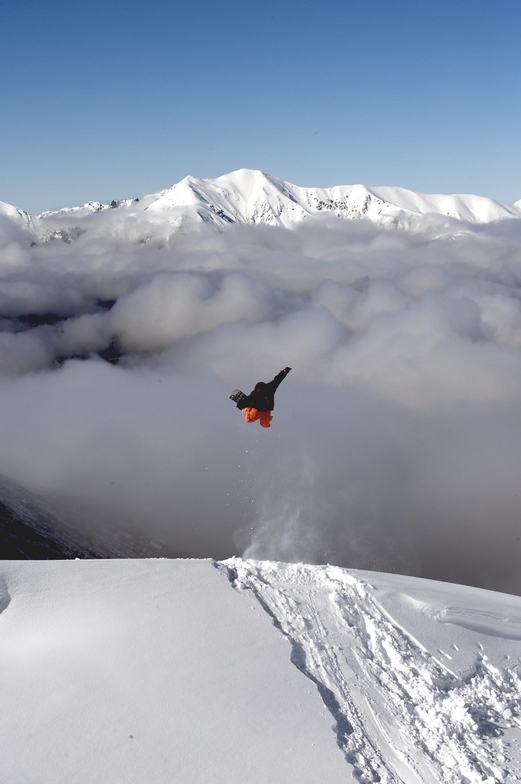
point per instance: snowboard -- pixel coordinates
(238, 397)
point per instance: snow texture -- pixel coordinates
(199, 671)
(403, 714)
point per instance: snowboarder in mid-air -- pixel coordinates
(261, 402)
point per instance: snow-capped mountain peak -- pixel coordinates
(244, 196)
(249, 196)
(252, 196)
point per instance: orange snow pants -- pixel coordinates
(264, 417)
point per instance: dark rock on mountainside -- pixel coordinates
(20, 540)
(112, 353)
(30, 530)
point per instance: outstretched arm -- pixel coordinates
(278, 378)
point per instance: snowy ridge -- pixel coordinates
(89, 208)
(248, 196)
(15, 214)
(16, 224)
(254, 671)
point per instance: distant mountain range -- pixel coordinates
(245, 197)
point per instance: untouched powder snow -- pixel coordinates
(150, 672)
(254, 671)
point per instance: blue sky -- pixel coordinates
(117, 99)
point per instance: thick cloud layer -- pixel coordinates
(396, 442)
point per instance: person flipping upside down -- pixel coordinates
(261, 402)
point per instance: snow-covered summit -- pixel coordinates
(249, 196)
(244, 196)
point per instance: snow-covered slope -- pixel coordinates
(17, 225)
(202, 671)
(251, 197)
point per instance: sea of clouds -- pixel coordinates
(396, 439)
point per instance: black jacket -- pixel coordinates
(263, 396)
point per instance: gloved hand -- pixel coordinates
(287, 369)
